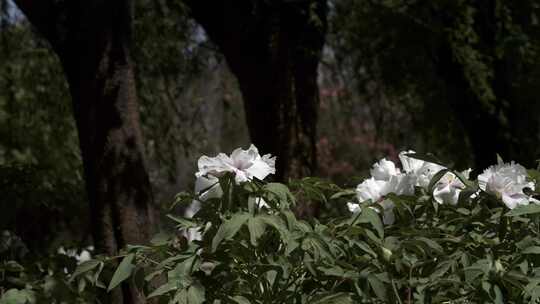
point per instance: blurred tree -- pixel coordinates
(273, 48)
(92, 40)
(189, 104)
(40, 165)
(484, 63)
(462, 70)
(185, 92)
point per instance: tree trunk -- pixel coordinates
(274, 50)
(92, 40)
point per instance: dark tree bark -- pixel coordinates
(92, 40)
(273, 48)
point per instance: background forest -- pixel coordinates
(105, 108)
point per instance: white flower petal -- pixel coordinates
(423, 171)
(384, 169)
(446, 194)
(515, 199)
(370, 189)
(506, 181)
(213, 165)
(245, 164)
(243, 159)
(447, 189)
(270, 161)
(260, 169)
(192, 209)
(192, 234)
(353, 207)
(401, 184)
(408, 163)
(259, 202)
(208, 187)
(388, 214)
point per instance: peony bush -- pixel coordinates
(417, 232)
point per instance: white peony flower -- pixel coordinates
(422, 171)
(83, 256)
(507, 181)
(384, 169)
(374, 190)
(408, 163)
(449, 187)
(246, 164)
(371, 189)
(386, 179)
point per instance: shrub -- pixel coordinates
(423, 234)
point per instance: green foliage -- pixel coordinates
(475, 252)
(25, 279)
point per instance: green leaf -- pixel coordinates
(163, 289)
(365, 247)
(534, 175)
(256, 228)
(431, 244)
(182, 222)
(334, 298)
(343, 193)
(526, 209)
(280, 191)
(153, 274)
(160, 239)
(470, 185)
(84, 267)
(14, 296)
(124, 270)
(368, 215)
(240, 300)
(377, 286)
(183, 269)
(472, 273)
(229, 228)
(95, 277)
(196, 294)
(180, 297)
(337, 271)
(532, 250)
(435, 179)
(442, 268)
(499, 299)
(14, 266)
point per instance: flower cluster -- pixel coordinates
(506, 181)
(245, 164)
